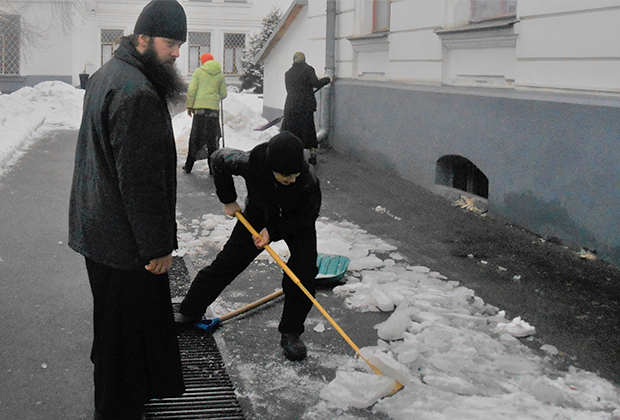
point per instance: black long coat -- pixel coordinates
(300, 104)
(123, 197)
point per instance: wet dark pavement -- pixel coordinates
(573, 302)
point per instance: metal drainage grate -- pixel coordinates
(209, 393)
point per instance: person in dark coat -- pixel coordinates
(300, 104)
(122, 214)
(283, 203)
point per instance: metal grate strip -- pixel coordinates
(209, 392)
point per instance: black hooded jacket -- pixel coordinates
(123, 197)
(283, 209)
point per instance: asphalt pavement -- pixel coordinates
(46, 305)
(45, 302)
(573, 302)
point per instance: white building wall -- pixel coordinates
(569, 45)
(310, 27)
(415, 50)
(65, 56)
(52, 52)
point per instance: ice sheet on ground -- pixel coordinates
(456, 355)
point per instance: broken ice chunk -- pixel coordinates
(517, 327)
(356, 389)
(395, 326)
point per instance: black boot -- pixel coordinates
(292, 347)
(312, 159)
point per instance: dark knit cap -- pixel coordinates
(163, 18)
(285, 154)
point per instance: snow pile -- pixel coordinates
(456, 356)
(25, 115)
(242, 113)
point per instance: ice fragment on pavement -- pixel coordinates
(387, 365)
(356, 389)
(543, 389)
(452, 384)
(549, 349)
(319, 328)
(366, 263)
(517, 327)
(516, 365)
(395, 326)
(383, 301)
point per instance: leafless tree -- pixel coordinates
(31, 34)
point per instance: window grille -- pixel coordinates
(492, 9)
(198, 44)
(233, 52)
(110, 40)
(381, 15)
(9, 44)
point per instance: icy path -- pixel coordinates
(456, 356)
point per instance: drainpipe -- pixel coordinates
(330, 70)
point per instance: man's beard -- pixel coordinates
(167, 79)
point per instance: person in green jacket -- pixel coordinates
(204, 93)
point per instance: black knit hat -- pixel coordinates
(163, 18)
(285, 154)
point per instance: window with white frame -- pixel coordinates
(381, 15)
(9, 44)
(492, 9)
(199, 43)
(233, 52)
(110, 40)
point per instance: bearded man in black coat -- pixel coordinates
(122, 214)
(301, 82)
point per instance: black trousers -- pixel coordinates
(135, 348)
(205, 131)
(235, 257)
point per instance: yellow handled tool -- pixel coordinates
(296, 280)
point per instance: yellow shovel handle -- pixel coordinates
(306, 292)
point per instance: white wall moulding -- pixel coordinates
(496, 34)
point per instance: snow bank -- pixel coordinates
(242, 113)
(31, 111)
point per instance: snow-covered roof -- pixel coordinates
(287, 19)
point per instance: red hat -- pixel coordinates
(206, 57)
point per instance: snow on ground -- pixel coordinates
(456, 356)
(27, 114)
(242, 113)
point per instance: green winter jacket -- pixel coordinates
(207, 87)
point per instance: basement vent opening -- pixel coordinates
(460, 173)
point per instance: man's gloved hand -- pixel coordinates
(190, 112)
